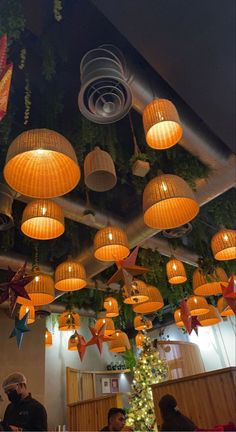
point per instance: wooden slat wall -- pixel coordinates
(87, 386)
(72, 385)
(91, 415)
(208, 399)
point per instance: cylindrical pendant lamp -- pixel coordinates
(111, 306)
(210, 284)
(99, 171)
(223, 245)
(154, 302)
(48, 338)
(139, 340)
(175, 272)
(223, 307)
(197, 305)
(40, 290)
(138, 292)
(73, 342)
(68, 321)
(211, 318)
(110, 327)
(27, 308)
(178, 318)
(119, 342)
(141, 323)
(70, 276)
(111, 244)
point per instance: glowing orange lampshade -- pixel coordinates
(111, 306)
(73, 341)
(154, 302)
(211, 318)
(223, 307)
(168, 202)
(70, 276)
(141, 323)
(223, 245)
(111, 244)
(110, 327)
(139, 340)
(197, 305)
(178, 319)
(119, 342)
(138, 292)
(40, 290)
(69, 320)
(41, 163)
(175, 272)
(43, 220)
(27, 308)
(161, 124)
(210, 284)
(48, 338)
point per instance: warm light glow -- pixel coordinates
(44, 210)
(175, 271)
(111, 306)
(209, 284)
(110, 236)
(70, 276)
(211, 318)
(37, 278)
(111, 244)
(197, 305)
(223, 307)
(40, 151)
(48, 338)
(40, 291)
(119, 342)
(138, 292)
(69, 321)
(226, 238)
(223, 245)
(109, 326)
(174, 267)
(164, 187)
(29, 308)
(154, 303)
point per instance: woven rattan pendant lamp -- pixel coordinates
(211, 318)
(68, 321)
(138, 292)
(99, 171)
(70, 276)
(178, 319)
(223, 307)
(175, 271)
(43, 220)
(40, 290)
(73, 342)
(110, 327)
(119, 342)
(197, 305)
(24, 309)
(168, 202)
(210, 284)
(139, 340)
(161, 124)
(111, 306)
(154, 302)
(41, 163)
(48, 338)
(223, 245)
(141, 323)
(111, 244)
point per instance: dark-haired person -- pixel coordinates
(115, 420)
(23, 413)
(173, 420)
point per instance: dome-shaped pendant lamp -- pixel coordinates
(197, 305)
(223, 307)
(161, 124)
(211, 318)
(70, 276)
(43, 220)
(223, 245)
(111, 306)
(141, 323)
(168, 202)
(73, 342)
(175, 272)
(40, 290)
(210, 284)
(48, 338)
(111, 244)
(138, 292)
(27, 308)
(119, 342)
(154, 302)
(41, 163)
(68, 321)
(99, 171)
(110, 327)
(178, 318)
(139, 338)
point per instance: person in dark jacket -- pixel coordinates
(23, 413)
(173, 420)
(116, 420)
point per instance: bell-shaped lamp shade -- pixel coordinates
(168, 202)
(119, 342)
(154, 302)
(110, 327)
(99, 171)
(211, 318)
(223, 307)
(141, 323)
(40, 290)
(111, 244)
(68, 321)
(41, 163)
(197, 305)
(48, 338)
(206, 285)
(27, 308)
(73, 341)
(138, 292)
(178, 319)
(161, 124)
(70, 276)
(43, 220)
(175, 272)
(223, 245)
(111, 306)
(139, 338)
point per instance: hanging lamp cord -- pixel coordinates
(136, 147)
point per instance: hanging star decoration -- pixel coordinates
(20, 328)
(98, 337)
(15, 287)
(81, 346)
(5, 76)
(129, 265)
(186, 316)
(195, 323)
(229, 293)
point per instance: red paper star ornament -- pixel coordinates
(195, 323)
(186, 316)
(15, 287)
(229, 293)
(98, 337)
(81, 346)
(129, 265)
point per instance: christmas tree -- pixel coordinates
(149, 370)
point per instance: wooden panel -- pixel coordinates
(72, 385)
(87, 386)
(91, 415)
(208, 399)
(183, 358)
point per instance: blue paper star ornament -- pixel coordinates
(20, 328)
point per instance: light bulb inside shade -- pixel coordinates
(40, 151)
(164, 186)
(225, 237)
(110, 303)
(174, 267)
(44, 210)
(110, 236)
(36, 278)
(69, 268)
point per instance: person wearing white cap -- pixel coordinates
(23, 413)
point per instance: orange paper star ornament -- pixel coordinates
(129, 265)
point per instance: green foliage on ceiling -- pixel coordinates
(12, 20)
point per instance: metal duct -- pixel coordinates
(6, 200)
